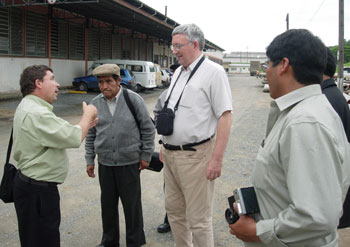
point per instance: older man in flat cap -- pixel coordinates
(124, 146)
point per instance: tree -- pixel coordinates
(334, 49)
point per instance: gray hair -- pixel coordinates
(192, 32)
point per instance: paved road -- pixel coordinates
(81, 225)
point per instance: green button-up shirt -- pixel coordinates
(302, 172)
(40, 139)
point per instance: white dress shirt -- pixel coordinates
(205, 98)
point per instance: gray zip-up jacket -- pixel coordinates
(116, 139)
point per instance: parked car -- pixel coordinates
(347, 98)
(347, 73)
(165, 78)
(128, 79)
(266, 88)
(158, 75)
(170, 73)
(144, 71)
(89, 82)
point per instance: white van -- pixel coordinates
(158, 75)
(144, 71)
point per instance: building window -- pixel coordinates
(11, 31)
(117, 46)
(4, 31)
(142, 49)
(136, 49)
(155, 59)
(165, 62)
(105, 45)
(76, 40)
(126, 48)
(36, 34)
(149, 51)
(59, 39)
(93, 44)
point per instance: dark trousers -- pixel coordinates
(121, 182)
(38, 214)
(345, 219)
(166, 221)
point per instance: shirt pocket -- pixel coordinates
(262, 169)
(189, 98)
(187, 101)
(268, 173)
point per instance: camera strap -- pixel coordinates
(192, 73)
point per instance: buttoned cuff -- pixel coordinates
(265, 230)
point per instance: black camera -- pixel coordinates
(246, 202)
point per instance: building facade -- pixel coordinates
(68, 35)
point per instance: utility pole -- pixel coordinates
(287, 21)
(166, 10)
(341, 47)
(247, 55)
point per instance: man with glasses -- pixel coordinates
(302, 169)
(193, 154)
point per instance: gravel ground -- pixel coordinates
(80, 206)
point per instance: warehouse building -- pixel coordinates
(68, 35)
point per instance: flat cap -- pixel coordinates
(106, 70)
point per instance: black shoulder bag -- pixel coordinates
(6, 187)
(165, 119)
(155, 164)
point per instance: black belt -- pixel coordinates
(186, 147)
(35, 182)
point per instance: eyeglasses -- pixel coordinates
(178, 46)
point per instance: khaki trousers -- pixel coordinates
(189, 195)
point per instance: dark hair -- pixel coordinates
(29, 75)
(306, 53)
(331, 64)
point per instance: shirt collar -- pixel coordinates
(40, 101)
(298, 95)
(193, 64)
(115, 97)
(328, 83)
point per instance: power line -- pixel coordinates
(316, 11)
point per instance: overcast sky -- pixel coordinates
(241, 25)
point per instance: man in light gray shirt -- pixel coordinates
(302, 169)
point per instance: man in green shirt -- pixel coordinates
(40, 140)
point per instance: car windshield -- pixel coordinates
(131, 74)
